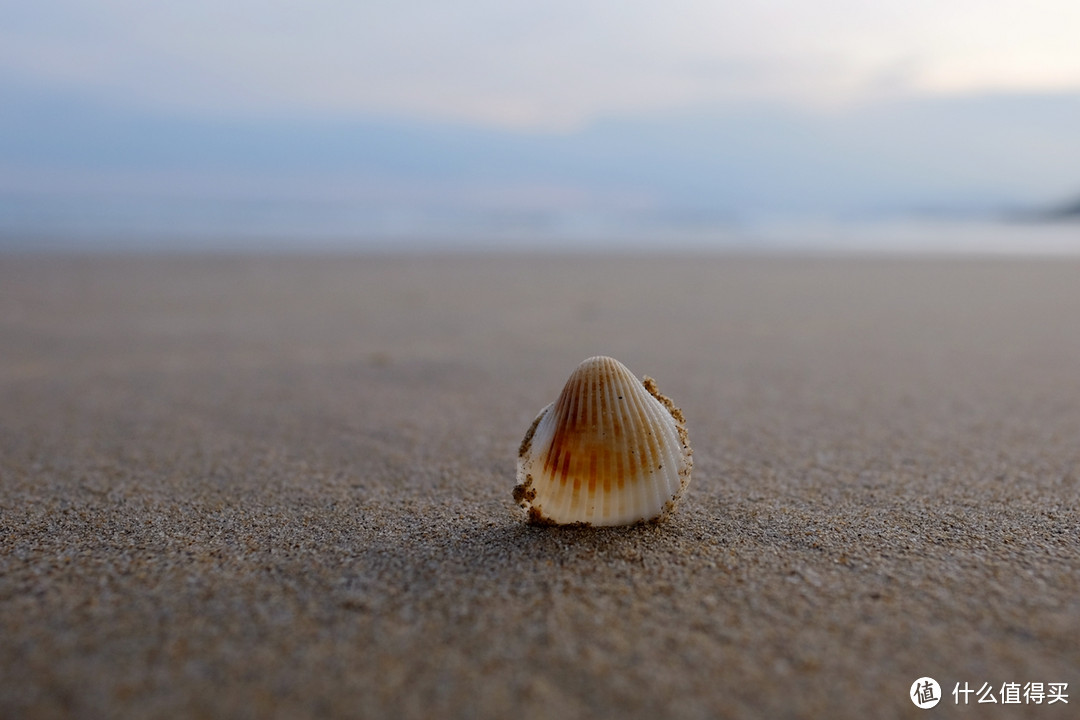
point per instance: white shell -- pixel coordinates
(610, 451)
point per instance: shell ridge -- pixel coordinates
(655, 447)
(598, 382)
(545, 477)
(665, 422)
(617, 501)
(594, 428)
(642, 496)
(681, 480)
(664, 419)
(568, 420)
(607, 412)
(672, 416)
(568, 406)
(609, 507)
(570, 477)
(544, 454)
(658, 484)
(571, 486)
(641, 492)
(599, 457)
(686, 453)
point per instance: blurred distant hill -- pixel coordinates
(1068, 211)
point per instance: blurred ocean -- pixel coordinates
(230, 224)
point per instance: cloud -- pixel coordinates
(545, 66)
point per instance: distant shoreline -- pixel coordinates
(1033, 233)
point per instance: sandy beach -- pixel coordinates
(256, 487)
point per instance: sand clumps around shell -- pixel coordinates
(611, 450)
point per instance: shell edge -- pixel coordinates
(526, 442)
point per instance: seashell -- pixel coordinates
(610, 451)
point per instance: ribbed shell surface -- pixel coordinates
(609, 451)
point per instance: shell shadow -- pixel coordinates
(521, 541)
(509, 559)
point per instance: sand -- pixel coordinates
(281, 487)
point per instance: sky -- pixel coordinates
(591, 116)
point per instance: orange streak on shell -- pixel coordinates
(580, 448)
